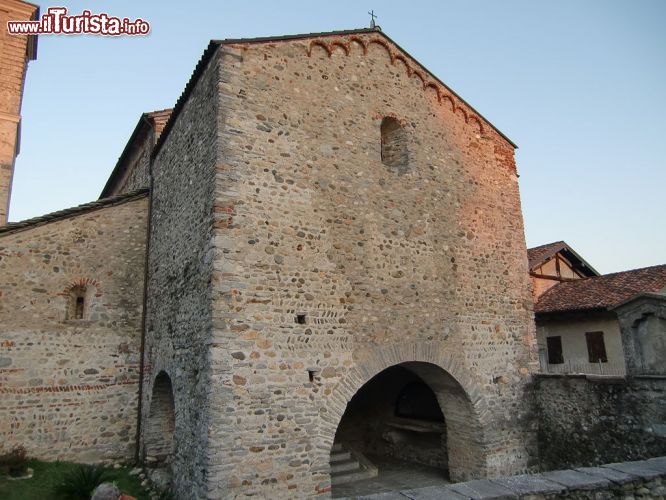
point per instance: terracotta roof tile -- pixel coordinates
(601, 292)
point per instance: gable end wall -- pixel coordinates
(309, 221)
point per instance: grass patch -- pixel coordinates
(48, 475)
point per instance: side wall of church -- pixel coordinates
(384, 265)
(69, 386)
(180, 264)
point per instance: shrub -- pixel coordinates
(80, 482)
(15, 462)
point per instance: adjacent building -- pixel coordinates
(578, 312)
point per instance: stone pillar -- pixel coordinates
(642, 322)
(15, 52)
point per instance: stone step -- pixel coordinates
(345, 466)
(339, 456)
(336, 447)
(349, 476)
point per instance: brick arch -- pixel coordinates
(431, 364)
(463, 112)
(82, 283)
(476, 119)
(431, 85)
(85, 290)
(383, 44)
(419, 75)
(321, 44)
(360, 42)
(404, 62)
(344, 47)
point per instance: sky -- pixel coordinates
(579, 86)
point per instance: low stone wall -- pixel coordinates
(627, 481)
(590, 420)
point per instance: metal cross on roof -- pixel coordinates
(372, 18)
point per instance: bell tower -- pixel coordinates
(15, 52)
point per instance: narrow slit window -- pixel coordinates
(78, 314)
(77, 305)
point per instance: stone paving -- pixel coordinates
(644, 479)
(394, 475)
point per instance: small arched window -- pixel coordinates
(395, 154)
(77, 306)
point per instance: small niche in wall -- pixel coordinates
(300, 319)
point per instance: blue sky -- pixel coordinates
(580, 86)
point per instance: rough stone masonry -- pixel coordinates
(289, 263)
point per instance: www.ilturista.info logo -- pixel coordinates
(57, 22)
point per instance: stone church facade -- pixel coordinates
(318, 217)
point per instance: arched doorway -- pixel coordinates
(160, 424)
(409, 413)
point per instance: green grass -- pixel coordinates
(47, 475)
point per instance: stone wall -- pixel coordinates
(422, 264)
(587, 420)
(14, 56)
(69, 386)
(179, 287)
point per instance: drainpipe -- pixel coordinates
(137, 457)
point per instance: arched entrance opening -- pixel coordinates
(410, 413)
(159, 430)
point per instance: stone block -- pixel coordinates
(484, 489)
(642, 469)
(530, 484)
(576, 480)
(613, 475)
(433, 493)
